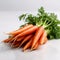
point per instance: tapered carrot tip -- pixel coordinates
(23, 50)
(36, 46)
(46, 39)
(31, 49)
(6, 40)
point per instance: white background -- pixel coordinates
(29, 5)
(9, 13)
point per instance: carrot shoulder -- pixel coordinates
(37, 35)
(21, 30)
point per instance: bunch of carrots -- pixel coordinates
(28, 36)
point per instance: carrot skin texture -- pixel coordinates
(20, 30)
(18, 40)
(16, 45)
(28, 31)
(21, 38)
(12, 38)
(36, 46)
(46, 39)
(27, 45)
(37, 35)
(26, 39)
(6, 40)
(43, 37)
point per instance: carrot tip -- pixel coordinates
(20, 46)
(32, 46)
(23, 50)
(31, 49)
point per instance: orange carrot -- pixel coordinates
(16, 45)
(43, 37)
(28, 31)
(36, 46)
(27, 45)
(26, 39)
(21, 30)
(17, 40)
(11, 38)
(20, 38)
(6, 40)
(37, 35)
(46, 39)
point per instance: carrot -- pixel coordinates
(26, 39)
(43, 37)
(27, 45)
(28, 31)
(17, 39)
(6, 40)
(20, 30)
(37, 35)
(36, 46)
(16, 45)
(20, 38)
(15, 42)
(45, 40)
(12, 38)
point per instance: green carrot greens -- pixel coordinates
(48, 20)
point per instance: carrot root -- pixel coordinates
(20, 30)
(28, 31)
(6, 40)
(37, 35)
(43, 38)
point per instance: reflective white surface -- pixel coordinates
(49, 51)
(8, 22)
